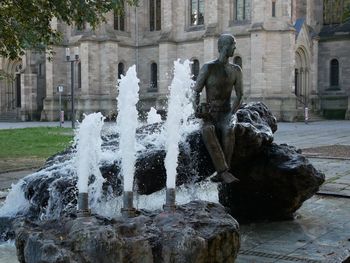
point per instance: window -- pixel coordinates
(195, 69)
(154, 15)
(197, 12)
(273, 8)
(242, 10)
(40, 69)
(120, 70)
(154, 76)
(238, 61)
(119, 19)
(334, 73)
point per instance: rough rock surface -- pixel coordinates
(277, 175)
(273, 184)
(197, 232)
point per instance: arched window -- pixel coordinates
(119, 18)
(154, 76)
(155, 15)
(195, 69)
(120, 70)
(334, 73)
(238, 61)
(242, 10)
(197, 12)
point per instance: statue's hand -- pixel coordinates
(202, 115)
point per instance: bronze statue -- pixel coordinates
(219, 77)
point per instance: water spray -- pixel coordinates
(127, 122)
(178, 99)
(88, 141)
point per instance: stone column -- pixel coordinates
(167, 55)
(307, 86)
(211, 16)
(167, 15)
(314, 66)
(347, 114)
(28, 96)
(258, 78)
(84, 58)
(211, 48)
(302, 79)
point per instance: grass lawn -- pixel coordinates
(30, 147)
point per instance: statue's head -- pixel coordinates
(227, 44)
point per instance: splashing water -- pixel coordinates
(61, 173)
(15, 202)
(127, 123)
(178, 99)
(153, 116)
(88, 155)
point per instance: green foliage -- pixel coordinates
(347, 12)
(25, 24)
(34, 142)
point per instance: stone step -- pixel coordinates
(313, 116)
(8, 116)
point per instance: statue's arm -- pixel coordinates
(200, 83)
(238, 89)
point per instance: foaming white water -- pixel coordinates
(8, 252)
(206, 191)
(179, 88)
(15, 202)
(88, 155)
(127, 123)
(153, 116)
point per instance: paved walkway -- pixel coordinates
(29, 124)
(321, 229)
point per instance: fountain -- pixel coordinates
(41, 209)
(153, 116)
(87, 159)
(179, 91)
(127, 123)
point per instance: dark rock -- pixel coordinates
(273, 184)
(197, 232)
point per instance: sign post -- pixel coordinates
(61, 114)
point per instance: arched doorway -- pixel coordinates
(10, 94)
(302, 77)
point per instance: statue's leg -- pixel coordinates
(214, 148)
(228, 143)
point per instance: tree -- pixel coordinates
(25, 24)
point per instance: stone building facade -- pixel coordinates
(282, 46)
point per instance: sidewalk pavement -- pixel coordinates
(320, 231)
(30, 124)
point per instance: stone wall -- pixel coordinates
(335, 102)
(266, 45)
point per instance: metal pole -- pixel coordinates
(170, 200)
(60, 113)
(72, 93)
(128, 210)
(83, 205)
